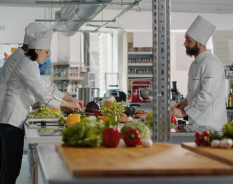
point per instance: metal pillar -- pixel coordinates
(161, 70)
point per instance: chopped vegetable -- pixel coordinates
(62, 121)
(132, 137)
(142, 128)
(44, 112)
(114, 110)
(47, 129)
(83, 134)
(111, 137)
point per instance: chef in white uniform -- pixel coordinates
(205, 104)
(23, 85)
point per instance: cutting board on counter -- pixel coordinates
(160, 159)
(220, 154)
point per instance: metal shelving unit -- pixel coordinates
(68, 78)
(140, 76)
(139, 64)
(140, 53)
(161, 70)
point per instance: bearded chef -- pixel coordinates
(205, 102)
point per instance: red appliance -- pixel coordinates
(136, 87)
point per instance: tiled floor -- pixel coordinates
(24, 173)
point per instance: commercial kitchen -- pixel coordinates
(133, 52)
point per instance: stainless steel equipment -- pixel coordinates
(87, 94)
(145, 94)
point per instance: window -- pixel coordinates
(101, 58)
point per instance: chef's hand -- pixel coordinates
(71, 105)
(80, 102)
(68, 98)
(178, 113)
(181, 104)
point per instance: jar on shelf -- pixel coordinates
(78, 72)
(147, 71)
(134, 71)
(58, 72)
(150, 60)
(54, 71)
(62, 72)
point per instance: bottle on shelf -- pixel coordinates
(230, 98)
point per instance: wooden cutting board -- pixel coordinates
(161, 158)
(220, 154)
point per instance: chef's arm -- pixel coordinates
(61, 95)
(68, 98)
(31, 77)
(211, 86)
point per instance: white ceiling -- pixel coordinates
(197, 6)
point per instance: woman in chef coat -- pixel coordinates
(205, 103)
(23, 87)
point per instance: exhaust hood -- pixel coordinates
(74, 14)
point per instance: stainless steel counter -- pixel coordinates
(52, 170)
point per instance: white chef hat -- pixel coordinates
(201, 30)
(40, 40)
(33, 28)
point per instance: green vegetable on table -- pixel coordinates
(83, 134)
(144, 131)
(44, 112)
(114, 110)
(149, 120)
(228, 130)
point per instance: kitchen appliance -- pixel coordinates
(174, 90)
(112, 87)
(141, 92)
(87, 94)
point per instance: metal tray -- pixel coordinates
(43, 119)
(42, 124)
(51, 132)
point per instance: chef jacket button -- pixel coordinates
(190, 90)
(195, 62)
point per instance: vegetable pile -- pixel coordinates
(143, 130)
(114, 110)
(83, 134)
(44, 112)
(212, 138)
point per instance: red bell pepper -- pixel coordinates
(98, 113)
(111, 137)
(173, 120)
(132, 137)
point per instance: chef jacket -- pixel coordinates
(6, 70)
(206, 92)
(24, 84)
